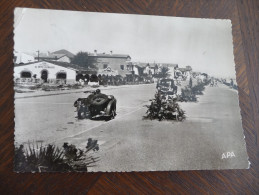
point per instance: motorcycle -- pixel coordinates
(96, 106)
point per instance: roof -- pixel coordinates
(108, 72)
(103, 55)
(63, 52)
(112, 72)
(182, 69)
(187, 68)
(47, 57)
(63, 64)
(168, 65)
(153, 65)
(144, 65)
(59, 55)
(24, 64)
(69, 65)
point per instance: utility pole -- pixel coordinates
(38, 55)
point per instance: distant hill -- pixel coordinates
(64, 52)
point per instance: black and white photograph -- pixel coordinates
(110, 92)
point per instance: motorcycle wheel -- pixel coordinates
(81, 113)
(113, 113)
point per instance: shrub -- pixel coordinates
(34, 158)
(198, 89)
(189, 93)
(163, 107)
(35, 87)
(49, 88)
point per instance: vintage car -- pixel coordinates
(93, 84)
(96, 106)
(167, 86)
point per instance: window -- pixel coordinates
(129, 67)
(105, 66)
(25, 74)
(94, 78)
(61, 75)
(122, 67)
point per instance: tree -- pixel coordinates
(84, 60)
(165, 72)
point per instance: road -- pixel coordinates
(128, 143)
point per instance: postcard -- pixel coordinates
(101, 92)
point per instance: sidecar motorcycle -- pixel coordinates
(96, 106)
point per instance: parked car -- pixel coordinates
(167, 86)
(96, 106)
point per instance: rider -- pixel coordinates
(97, 91)
(98, 98)
(94, 94)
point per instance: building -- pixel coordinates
(22, 58)
(114, 62)
(45, 72)
(186, 72)
(63, 55)
(143, 68)
(134, 68)
(63, 52)
(60, 56)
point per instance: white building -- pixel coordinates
(22, 58)
(64, 59)
(43, 71)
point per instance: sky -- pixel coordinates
(204, 44)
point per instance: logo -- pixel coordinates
(228, 155)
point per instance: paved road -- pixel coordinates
(128, 143)
(51, 118)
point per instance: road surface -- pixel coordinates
(129, 143)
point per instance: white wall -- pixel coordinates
(147, 70)
(135, 69)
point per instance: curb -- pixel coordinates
(70, 92)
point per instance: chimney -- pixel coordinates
(95, 52)
(111, 52)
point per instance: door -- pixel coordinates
(44, 76)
